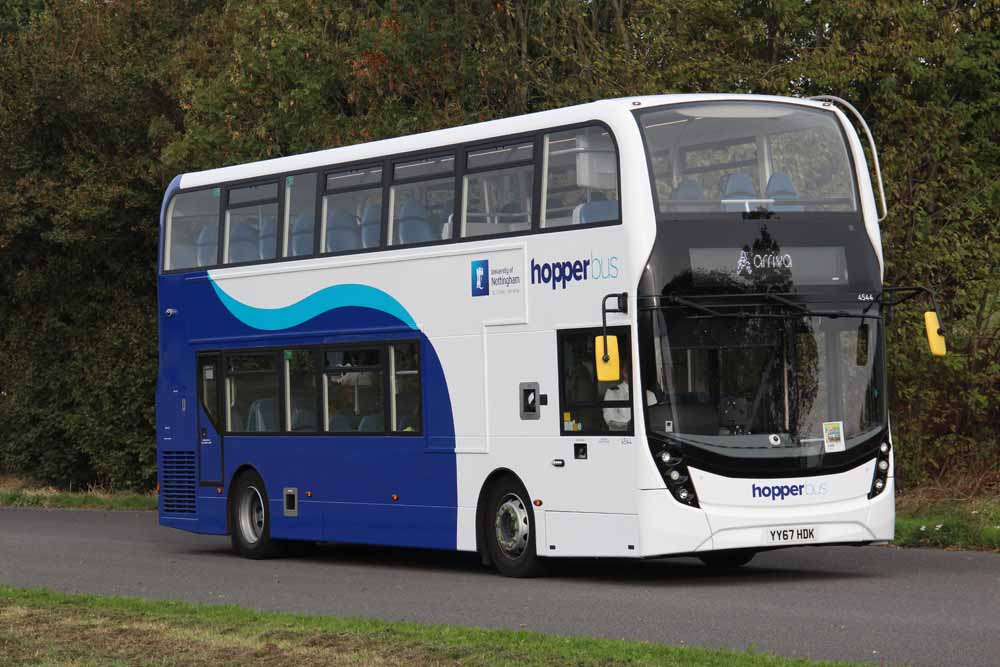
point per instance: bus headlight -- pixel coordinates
(881, 478)
(674, 472)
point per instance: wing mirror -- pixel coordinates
(935, 335)
(606, 359)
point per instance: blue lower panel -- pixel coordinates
(212, 514)
(392, 525)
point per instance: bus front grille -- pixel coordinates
(178, 482)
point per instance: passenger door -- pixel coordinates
(209, 433)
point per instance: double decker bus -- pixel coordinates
(632, 328)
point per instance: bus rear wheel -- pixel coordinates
(510, 530)
(250, 518)
(727, 560)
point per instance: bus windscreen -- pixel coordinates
(747, 157)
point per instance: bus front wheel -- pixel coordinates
(725, 560)
(510, 530)
(251, 518)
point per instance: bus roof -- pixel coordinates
(602, 110)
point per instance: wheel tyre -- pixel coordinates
(510, 530)
(727, 560)
(250, 518)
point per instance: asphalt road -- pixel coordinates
(885, 605)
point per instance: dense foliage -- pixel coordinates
(101, 103)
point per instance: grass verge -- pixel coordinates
(18, 493)
(948, 523)
(40, 627)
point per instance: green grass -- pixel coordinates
(957, 524)
(18, 493)
(39, 627)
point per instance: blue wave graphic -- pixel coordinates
(317, 303)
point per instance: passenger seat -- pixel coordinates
(371, 226)
(413, 225)
(342, 232)
(300, 241)
(738, 186)
(781, 189)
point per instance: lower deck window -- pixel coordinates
(372, 388)
(252, 394)
(354, 391)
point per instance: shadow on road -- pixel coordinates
(680, 570)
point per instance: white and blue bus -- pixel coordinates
(630, 328)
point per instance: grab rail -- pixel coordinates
(871, 142)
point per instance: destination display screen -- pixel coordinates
(809, 265)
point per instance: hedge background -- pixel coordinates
(102, 103)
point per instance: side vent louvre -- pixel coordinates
(179, 484)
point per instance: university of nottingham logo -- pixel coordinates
(481, 277)
(744, 264)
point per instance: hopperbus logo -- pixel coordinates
(561, 273)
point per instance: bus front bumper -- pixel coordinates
(738, 513)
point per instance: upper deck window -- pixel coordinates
(352, 212)
(497, 190)
(747, 157)
(580, 184)
(192, 230)
(422, 210)
(251, 224)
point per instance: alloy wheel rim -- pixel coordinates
(252, 515)
(513, 527)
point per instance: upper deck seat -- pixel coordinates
(243, 243)
(300, 240)
(371, 226)
(183, 256)
(207, 245)
(688, 191)
(781, 189)
(413, 225)
(738, 186)
(268, 237)
(596, 210)
(342, 232)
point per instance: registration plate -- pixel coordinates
(789, 534)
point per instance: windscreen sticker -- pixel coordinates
(833, 437)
